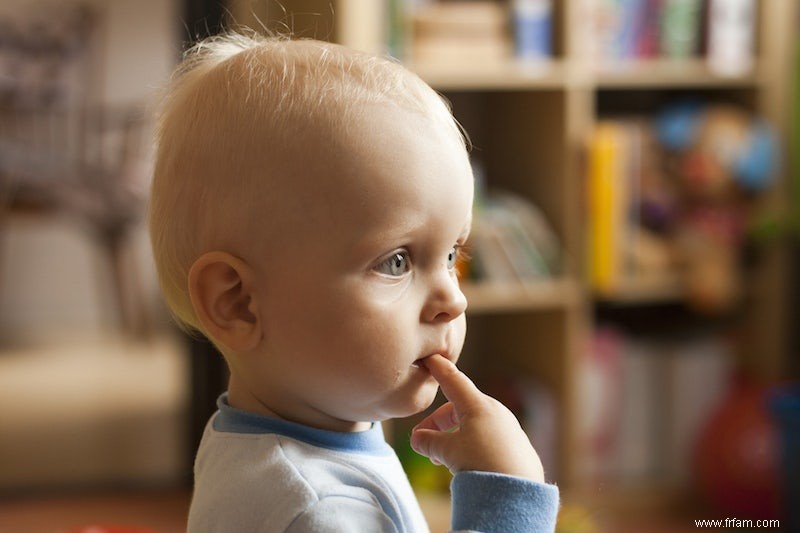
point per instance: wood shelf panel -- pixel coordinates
(664, 73)
(561, 74)
(507, 75)
(669, 287)
(509, 297)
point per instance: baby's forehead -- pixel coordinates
(356, 151)
(293, 108)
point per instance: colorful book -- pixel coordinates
(604, 203)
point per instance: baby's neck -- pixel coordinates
(240, 397)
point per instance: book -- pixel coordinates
(624, 191)
(643, 402)
(460, 32)
(699, 374)
(680, 28)
(606, 191)
(512, 241)
(598, 404)
(626, 31)
(644, 397)
(617, 28)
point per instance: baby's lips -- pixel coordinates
(424, 360)
(420, 363)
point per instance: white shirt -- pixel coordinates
(260, 474)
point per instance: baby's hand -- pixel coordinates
(473, 431)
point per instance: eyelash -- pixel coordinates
(460, 251)
(463, 256)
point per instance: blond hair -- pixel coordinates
(233, 104)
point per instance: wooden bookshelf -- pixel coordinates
(530, 126)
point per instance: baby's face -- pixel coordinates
(363, 285)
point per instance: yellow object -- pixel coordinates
(604, 206)
(575, 519)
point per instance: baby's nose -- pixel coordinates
(446, 302)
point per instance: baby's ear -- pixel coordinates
(222, 290)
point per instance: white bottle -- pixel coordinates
(731, 28)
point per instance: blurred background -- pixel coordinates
(633, 285)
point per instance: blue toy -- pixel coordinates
(731, 144)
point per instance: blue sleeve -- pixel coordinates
(497, 503)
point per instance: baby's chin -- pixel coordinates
(421, 401)
(412, 407)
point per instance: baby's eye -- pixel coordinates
(452, 258)
(395, 265)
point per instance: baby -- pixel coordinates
(308, 208)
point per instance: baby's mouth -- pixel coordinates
(419, 362)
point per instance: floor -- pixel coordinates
(161, 511)
(164, 511)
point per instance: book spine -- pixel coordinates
(603, 164)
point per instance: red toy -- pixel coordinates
(736, 460)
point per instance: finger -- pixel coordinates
(444, 418)
(430, 443)
(455, 385)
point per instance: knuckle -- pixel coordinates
(487, 403)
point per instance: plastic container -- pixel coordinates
(532, 30)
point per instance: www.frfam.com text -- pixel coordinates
(738, 523)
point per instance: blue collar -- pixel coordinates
(232, 420)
